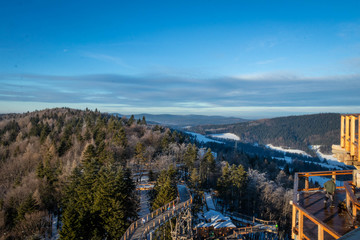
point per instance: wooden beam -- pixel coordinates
(342, 133)
(347, 133)
(320, 232)
(301, 224)
(293, 221)
(358, 140)
(306, 183)
(352, 136)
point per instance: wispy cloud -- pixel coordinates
(269, 61)
(348, 30)
(151, 92)
(108, 58)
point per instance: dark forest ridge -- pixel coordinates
(294, 131)
(186, 120)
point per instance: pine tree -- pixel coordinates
(166, 194)
(195, 179)
(140, 153)
(28, 206)
(131, 120)
(190, 156)
(165, 188)
(88, 154)
(70, 223)
(143, 121)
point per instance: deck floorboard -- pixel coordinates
(313, 202)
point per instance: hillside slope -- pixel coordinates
(294, 131)
(75, 163)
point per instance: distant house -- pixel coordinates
(216, 225)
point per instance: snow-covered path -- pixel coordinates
(144, 203)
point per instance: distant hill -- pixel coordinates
(186, 120)
(293, 132)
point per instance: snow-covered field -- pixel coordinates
(280, 149)
(202, 138)
(330, 158)
(322, 180)
(228, 136)
(329, 165)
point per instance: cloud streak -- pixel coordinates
(151, 92)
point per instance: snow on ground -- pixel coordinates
(144, 203)
(285, 158)
(209, 201)
(202, 138)
(280, 149)
(330, 158)
(54, 231)
(322, 180)
(229, 136)
(331, 166)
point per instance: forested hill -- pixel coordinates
(294, 131)
(75, 164)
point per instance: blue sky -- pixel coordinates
(250, 59)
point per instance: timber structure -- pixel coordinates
(349, 149)
(311, 217)
(144, 228)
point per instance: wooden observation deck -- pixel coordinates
(311, 218)
(349, 149)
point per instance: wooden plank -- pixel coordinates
(358, 140)
(352, 136)
(347, 133)
(342, 133)
(301, 224)
(304, 212)
(293, 221)
(350, 193)
(320, 232)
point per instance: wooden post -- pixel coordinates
(342, 133)
(301, 224)
(347, 133)
(334, 176)
(354, 212)
(352, 136)
(320, 232)
(347, 201)
(358, 140)
(306, 182)
(293, 221)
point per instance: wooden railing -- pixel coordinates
(299, 212)
(254, 220)
(253, 229)
(132, 228)
(352, 203)
(166, 217)
(145, 186)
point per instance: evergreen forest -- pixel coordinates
(77, 167)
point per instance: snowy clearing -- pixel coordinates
(228, 136)
(202, 138)
(330, 158)
(330, 166)
(322, 180)
(280, 149)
